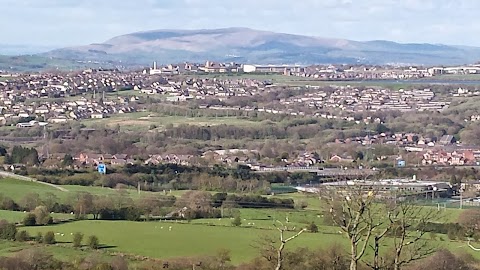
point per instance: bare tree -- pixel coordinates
(282, 229)
(470, 220)
(407, 228)
(443, 259)
(361, 212)
(82, 203)
(377, 265)
(266, 245)
(351, 209)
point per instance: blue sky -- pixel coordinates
(59, 23)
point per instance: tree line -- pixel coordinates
(240, 179)
(22, 155)
(120, 206)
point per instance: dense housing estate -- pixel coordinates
(40, 100)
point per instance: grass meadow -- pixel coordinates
(187, 239)
(10, 248)
(17, 189)
(17, 217)
(145, 121)
(155, 239)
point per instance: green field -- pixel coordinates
(266, 219)
(10, 248)
(145, 120)
(17, 189)
(7, 247)
(36, 63)
(293, 81)
(196, 238)
(154, 239)
(17, 217)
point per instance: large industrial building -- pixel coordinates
(411, 187)
(280, 69)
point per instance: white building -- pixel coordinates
(249, 68)
(154, 70)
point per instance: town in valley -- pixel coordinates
(322, 135)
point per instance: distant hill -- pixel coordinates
(242, 45)
(253, 46)
(23, 63)
(21, 49)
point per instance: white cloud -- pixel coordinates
(73, 22)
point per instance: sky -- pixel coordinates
(60, 23)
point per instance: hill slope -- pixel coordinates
(38, 62)
(254, 46)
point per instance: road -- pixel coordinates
(25, 178)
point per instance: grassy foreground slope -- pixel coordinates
(157, 240)
(17, 189)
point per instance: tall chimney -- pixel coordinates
(154, 65)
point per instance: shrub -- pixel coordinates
(236, 221)
(29, 220)
(452, 235)
(7, 230)
(42, 216)
(49, 238)
(312, 228)
(39, 237)
(22, 236)
(301, 204)
(77, 239)
(93, 242)
(7, 203)
(476, 237)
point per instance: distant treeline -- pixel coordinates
(120, 206)
(21, 155)
(174, 177)
(300, 128)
